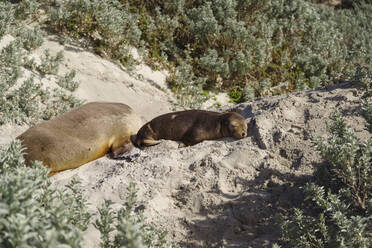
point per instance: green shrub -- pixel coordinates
(341, 213)
(236, 95)
(11, 15)
(348, 162)
(37, 104)
(362, 77)
(353, 23)
(354, 3)
(188, 94)
(124, 228)
(33, 213)
(304, 231)
(21, 104)
(367, 114)
(28, 102)
(31, 38)
(67, 82)
(49, 64)
(58, 103)
(108, 25)
(26, 9)
(10, 63)
(227, 45)
(6, 17)
(334, 226)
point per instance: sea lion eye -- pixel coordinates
(233, 125)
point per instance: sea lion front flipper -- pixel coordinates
(150, 142)
(181, 145)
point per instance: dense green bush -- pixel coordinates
(28, 9)
(353, 3)
(362, 77)
(23, 100)
(12, 14)
(249, 48)
(256, 47)
(31, 38)
(27, 101)
(32, 212)
(108, 25)
(6, 17)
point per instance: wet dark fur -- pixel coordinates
(191, 127)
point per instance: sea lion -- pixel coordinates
(191, 127)
(81, 135)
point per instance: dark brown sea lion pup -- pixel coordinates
(191, 127)
(81, 135)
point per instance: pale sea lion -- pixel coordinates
(81, 135)
(191, 127)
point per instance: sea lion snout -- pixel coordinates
(237, 133)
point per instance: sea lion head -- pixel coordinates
(145, 136)
(236, 125)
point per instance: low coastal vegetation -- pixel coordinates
(33, 213)
(245, 48)
(23, 99)
(338, 209)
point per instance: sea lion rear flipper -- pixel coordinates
(52, 173)
(119, 151)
